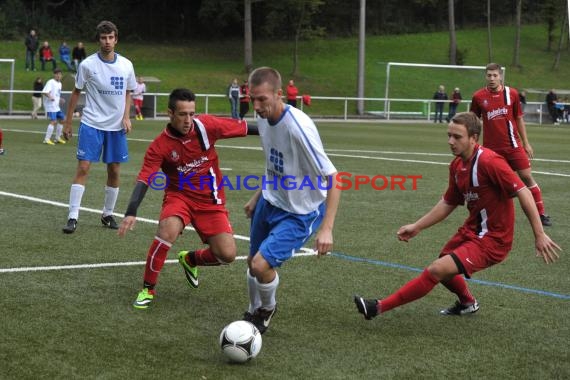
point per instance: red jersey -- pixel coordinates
(190, 162)
(499, 112)
(486, 183)
(292, 92)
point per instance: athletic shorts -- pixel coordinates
(516, 157)
(138, 102)
(92, 142)
(53, 116)
(278, 234)
(473, 254)
(208, 219)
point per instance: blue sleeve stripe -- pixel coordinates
(314, 154)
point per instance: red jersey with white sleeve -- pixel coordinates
(486, 183)
(499, 112)
(190, 162)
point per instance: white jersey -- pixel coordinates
(139, 91)
(105, 85)
(294, 156)
(52, 89)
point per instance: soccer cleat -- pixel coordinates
(109, 222)
(459, 309)
(545, 219)
(49, 142)
(70, 226)
(247, 316)
(261, 318)
(190, 272)
(144, 299)
(60, 141)
(366, 307)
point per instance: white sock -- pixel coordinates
(267, 293)
(75, 195)
(49, 131)
(111, 195)
(58, 131)
(254, 300)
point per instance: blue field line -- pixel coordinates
(482, 282)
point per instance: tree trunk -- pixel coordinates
(452, 37)
(516, 54)
(561, 41)
(247, 37)
(489, 42)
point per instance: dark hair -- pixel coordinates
(265, 75)
(180, 94)
(470, 121)
(106, 27)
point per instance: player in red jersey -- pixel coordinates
(191, 179)
(484, 181)
(504, 129)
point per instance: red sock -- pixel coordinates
(537, 195)
(202, 257)
(458, 285)
(414, 289)
(155, 261)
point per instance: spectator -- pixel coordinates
(78, 54)
(65, 55)
(566, 110)
(243, 99)
(52, 92)
(138, 98)
(522, 96)
(439, 95)
(292, 93)
(551, 100)
(37, 97)
(31, 49)
(233, 96)
(46, 55)
(455, 100)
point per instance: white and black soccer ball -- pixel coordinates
(240, 341)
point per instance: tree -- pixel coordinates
(452, 37)
(489, 42)
(516, 54)
(247, 38)
(563, 36)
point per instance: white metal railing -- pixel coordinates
(379, 108)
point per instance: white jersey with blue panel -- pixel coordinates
(105, 84)
(297, 167)
(52, 87)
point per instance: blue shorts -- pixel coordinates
(277, 234)
(93, 141)
(53, 116)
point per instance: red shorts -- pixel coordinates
(516, 157)
(208, 219)
(472, 253)
(138, 103)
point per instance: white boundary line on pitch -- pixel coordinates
(355, 151)
(305, 251)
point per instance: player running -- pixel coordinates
(481, 179)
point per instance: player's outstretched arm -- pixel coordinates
(544, 246)
(130, 219)
(438, 213)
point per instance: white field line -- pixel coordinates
(305, 251)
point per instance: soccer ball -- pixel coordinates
(240, 341)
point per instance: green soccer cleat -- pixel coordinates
(144, 299)
(190, 272)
